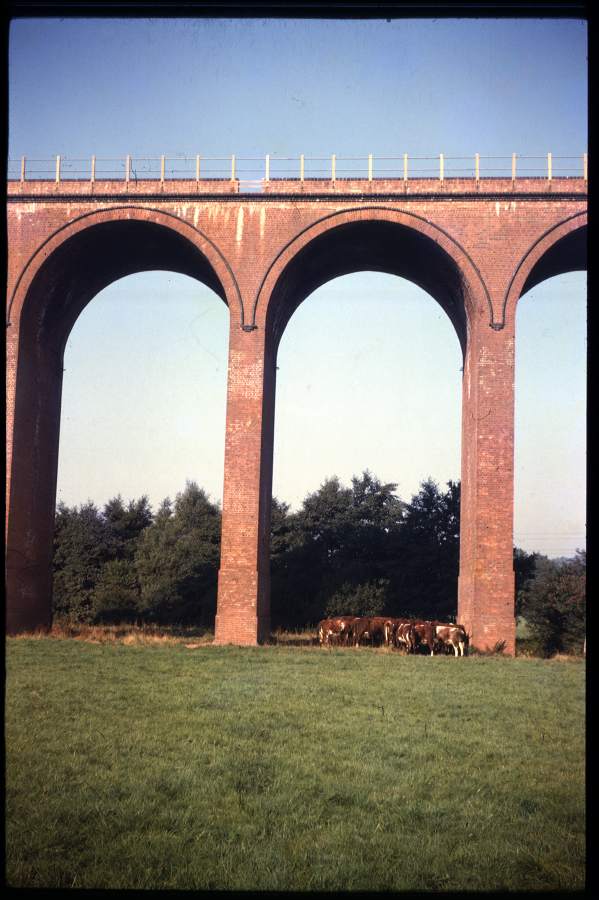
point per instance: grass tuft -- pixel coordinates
(126, 633)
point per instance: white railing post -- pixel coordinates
(441, 167)
(93, 175)
(302, 167)
(197, 168)
(127, 168)
(57, 169)
(267, 169)
(405, 167)
(162, 169)
(549, 173)
(513, 166)
(333, 161)
(477, 168)
(585, 167)
(233, 168)
(22, 168)
(370, 166)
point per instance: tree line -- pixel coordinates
(357, 549)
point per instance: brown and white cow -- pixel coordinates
(405, 635)
(390, 629)
(327, 631)
(345, 624)
(399, 633)
(335, 629)
(454, 636)
(425, 634)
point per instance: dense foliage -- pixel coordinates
(356, 550)
(124, 564)
(553, 603)
(364, 551)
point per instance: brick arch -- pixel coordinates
(476, 293)
(211, 253)
(60, 278)
(533, 256)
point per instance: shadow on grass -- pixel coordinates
(293, 639)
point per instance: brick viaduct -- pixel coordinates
(474, 245)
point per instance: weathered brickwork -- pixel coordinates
(475, 246)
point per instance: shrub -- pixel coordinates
(366, 599)
(554, 604)
(116, 597)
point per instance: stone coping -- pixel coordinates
(294, 186)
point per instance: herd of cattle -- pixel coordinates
(411, 635)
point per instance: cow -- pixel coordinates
(371, 627)
(380, 629)
(390, 631)
(345, 624)
(359, 630)
(454, 636)
(425, 634)
(337, 628)
(398, 632)
(405, 635)
(327, 629)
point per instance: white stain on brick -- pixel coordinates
(239, 232)
(467, 374)
(262, 221)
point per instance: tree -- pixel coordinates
(177, 560)
(525, 565)
(117, 594)
(126, 523)
(281, 530)
(340, 540)
(367, 599)
(377, 515)
(82, 545)
(554, 604)
(325, 520)
(425, 574)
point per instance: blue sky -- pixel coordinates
(141, 419)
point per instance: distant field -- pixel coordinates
(290, 768)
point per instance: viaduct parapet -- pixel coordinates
(475, 245)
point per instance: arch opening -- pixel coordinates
(72, 274)
(365, 386)
(87, 262)
(145, 373)
(375, 245)
(550, 409)
(568, 254)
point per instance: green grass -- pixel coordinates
(292, 769)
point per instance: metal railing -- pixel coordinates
(253, 172)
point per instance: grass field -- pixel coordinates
(152, 765)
